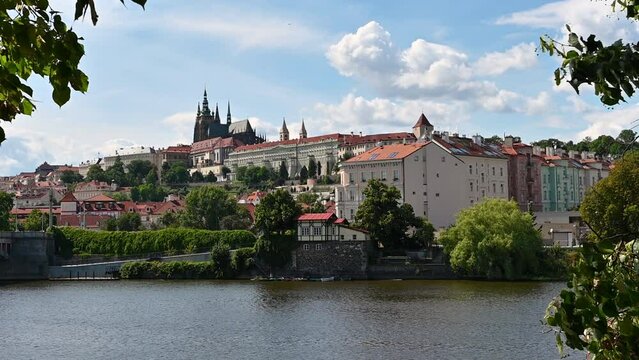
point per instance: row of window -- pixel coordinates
(470, 170)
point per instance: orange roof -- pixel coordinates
(316, 217)
(388, 152)
(101, 197)
(374, 138)
(68, 197)
(178, 149)
(509, 150)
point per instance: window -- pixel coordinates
(372, 175)
(470, 168)
(443, 159)
(501, 171)
(436, 194)
(350, 178)
(395, 174)
(494, 188)
(306, 231)
(351, 195)
(318, 246)
(363, 177)
(307, 247)
(483, 193)
(482, 178)
(341, 237)
(317, 230)
(493, 171)
(354, 236)
(437, 175)
(351, 213)
(471, 186)
(383, 175)
(416, 158)
(501, 186)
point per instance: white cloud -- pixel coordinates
(610, 122)
(182, 124)
(250, 30)
(428, 70)
(584, 17)
(538, 105)
(518, 57)
(356, 113)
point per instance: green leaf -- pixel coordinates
(26, 107)
(61, 95)
(573, 40)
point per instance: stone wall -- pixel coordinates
(335, 258)
(30, 255)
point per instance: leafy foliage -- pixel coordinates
(197, 177)
(138, 170)
(150, 241)
(242, 259)
(35, 40)
(275, 248)
(129, 221)
(256, 176)
(177, 173)
(116, 174)
(283, 171)
(277, 212)
(6, 204)
(310, 203)
(599, 311)
(36, 221)
(312, 169)
(96, 173)
(493, 239)
(70, 177)
(170, 270)
(381, 214)
(207, 205)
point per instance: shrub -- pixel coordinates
(169, 270)
(242, 259)
(175, 240)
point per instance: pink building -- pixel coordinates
(524, 174)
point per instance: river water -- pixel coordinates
(276, 320)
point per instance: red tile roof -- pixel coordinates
(100, 198)
(316, 217)
(178, 149)
(388, 152)
(461, 146)
(309, 140)
(367, 139)
(68, 197)
(215, 143)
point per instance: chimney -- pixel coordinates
(536, 150)
(550, 151)
(445, 136)
(478, 139)
(560, 152)
(508, 140)
(571, 154)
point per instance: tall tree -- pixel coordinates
(283, 171)
(197, 177)
(138, 170)
(70, 177)
(35, 40)
(176, 174)
(115, 173)
(277, 212)
(6, 204)
(303, 174)
(312, 169)
(207, 205)
(494, 239)
(36, 221)
(382, 215)
(96, 173)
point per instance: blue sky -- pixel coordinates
(369, 66)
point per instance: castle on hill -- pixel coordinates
(209, 126)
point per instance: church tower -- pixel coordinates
(228, 114)
(303, 134)
(423, 129)
(203, 120)
(283, 131)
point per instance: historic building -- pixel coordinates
(325, 150)
(524, 174)
(438, 175)
(208, 125)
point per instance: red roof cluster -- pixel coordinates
(178, 149)
(367, 139)
(388, 152)
(316, 217)
(308, 140)
(215, 143)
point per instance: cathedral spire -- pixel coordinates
(303, 134)
(205, 105)
(228, 113)
(198, 109)
(217, 115)
(284, 131)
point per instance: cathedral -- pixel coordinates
(208, 126)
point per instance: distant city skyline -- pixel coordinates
(471, 67)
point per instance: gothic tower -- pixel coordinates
(303, 134)
(283, 131)
(228, 114)
(423, 129)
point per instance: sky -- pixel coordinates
(471, 67)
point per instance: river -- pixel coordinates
(276, 320)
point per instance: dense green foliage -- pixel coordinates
(241, 220)
(242, 259)
(149, 241)
(381, 214)
(604, 145)
(36, 221)
(256, 176)
(312, 169)
(130, 221)
(148, 192)
(170, 270)
(310, 202)
(611, 69)
(283, 171)
(206, 206)
(277, 212)
(116, 174)
(275, 249)
(96, 173)
(176, 174)
(70, 177)
(493, 239)
(424, 234)
(6, 204)
(599, 311)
